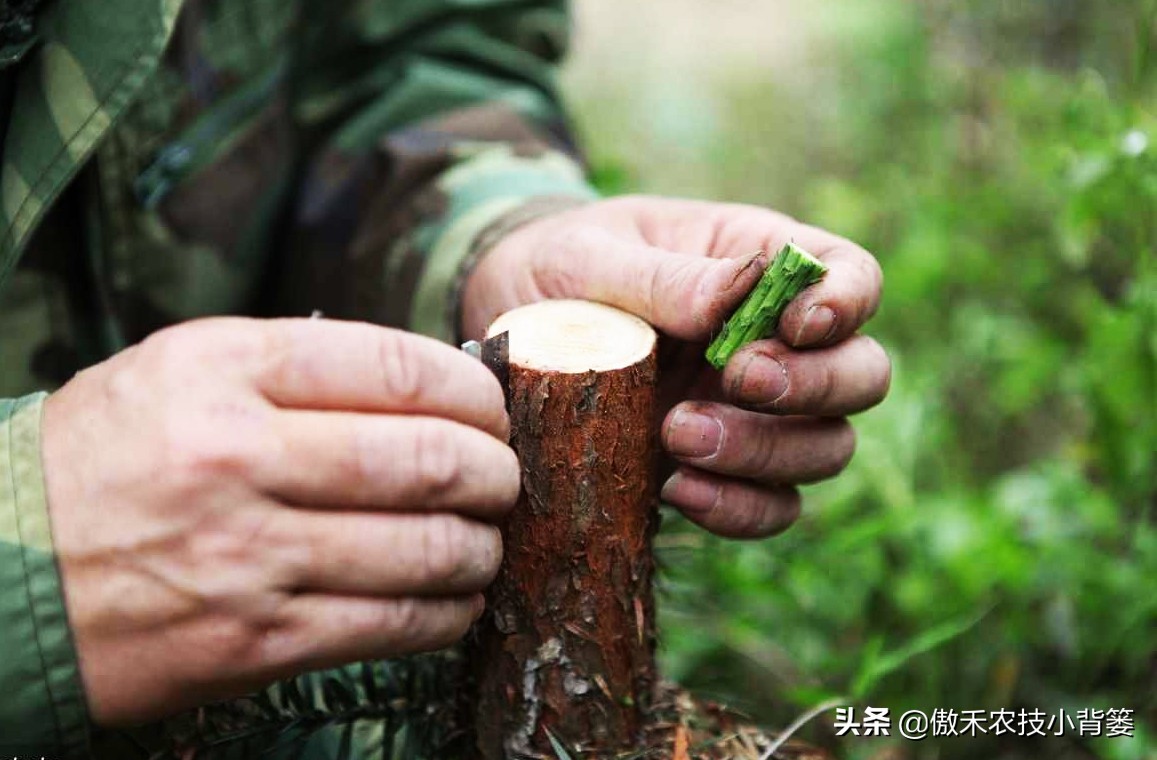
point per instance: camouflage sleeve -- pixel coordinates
(461, 139)
(43, 711)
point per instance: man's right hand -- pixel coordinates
(236, 501)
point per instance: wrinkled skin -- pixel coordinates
(235, 501)
(741, 440)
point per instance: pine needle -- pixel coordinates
(556, 745)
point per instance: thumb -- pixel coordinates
(685, 296)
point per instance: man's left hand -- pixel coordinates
(739, 441)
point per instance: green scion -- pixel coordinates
(792, 270)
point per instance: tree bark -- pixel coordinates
(566, 647)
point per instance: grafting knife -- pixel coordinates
(494, 353)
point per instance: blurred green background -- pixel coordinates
(993, 544)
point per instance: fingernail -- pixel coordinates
(691, 494)
(762, 380)
(692, 434)
(671, 487)
(819, 323)
(781, 517)
(744, 264)
(479, 605)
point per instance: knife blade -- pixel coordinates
(494, 353)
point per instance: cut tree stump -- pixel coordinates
(565, 651)
(562, 664)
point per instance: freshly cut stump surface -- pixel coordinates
(566, 647)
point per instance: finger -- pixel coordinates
(347, 459)
(843, 379)
(318, 631)
(825, 313)
(842, 301)
(354, 553)
(724, 440)
(731, 508)
(327, 364)
(685, 296)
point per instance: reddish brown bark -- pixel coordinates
(567, 642)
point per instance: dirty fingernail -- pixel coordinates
(763, 380)
(818, 324)
(690, 493)
(692, 434)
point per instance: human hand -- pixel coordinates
(236, 501)
(739, 441)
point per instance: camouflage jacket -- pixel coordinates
(170, 159)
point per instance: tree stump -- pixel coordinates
(562, 664)
(565, 651)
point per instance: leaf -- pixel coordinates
(336, 695)
(877, 666)
(369, 683)
(556, 745)
(345, 750)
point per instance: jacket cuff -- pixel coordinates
(43, 710)
(490, 191)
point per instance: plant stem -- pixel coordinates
(792, 270)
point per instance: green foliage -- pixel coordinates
(994, 543)
(406, 707)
